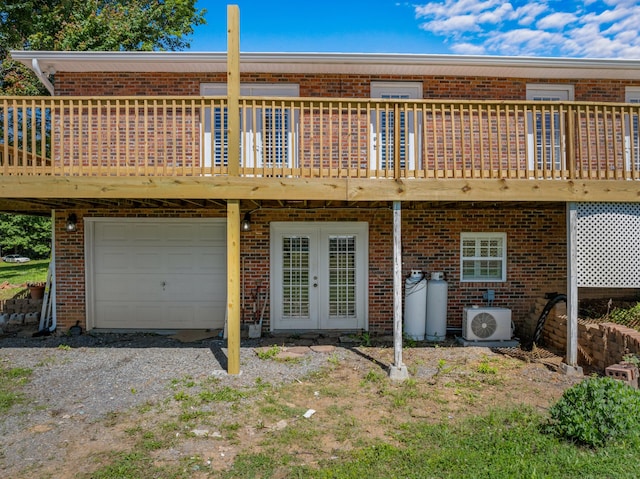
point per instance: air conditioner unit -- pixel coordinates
(487, 324)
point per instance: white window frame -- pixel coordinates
(477, 237)
(252, 155)
(378, 146)
(632, 95)
(547, 92)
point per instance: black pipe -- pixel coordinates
(543, 317)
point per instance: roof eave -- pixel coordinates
(348, 63)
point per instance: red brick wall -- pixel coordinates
(536, 255)
(329, 85)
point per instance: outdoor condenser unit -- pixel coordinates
(487, 324)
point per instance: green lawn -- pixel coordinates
(19, 273)
(506, 443)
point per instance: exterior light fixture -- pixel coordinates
(72, 222)
(245, 225)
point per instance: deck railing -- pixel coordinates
(319, 138)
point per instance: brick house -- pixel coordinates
(486, 160)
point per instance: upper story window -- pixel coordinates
(383, 126)
(267, 136)
(546, 129)
(483, 257)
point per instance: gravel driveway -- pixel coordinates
(78, 381)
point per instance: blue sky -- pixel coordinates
(541, 28)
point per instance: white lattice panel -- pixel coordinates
(608, 245)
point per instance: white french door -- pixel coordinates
(319, 275)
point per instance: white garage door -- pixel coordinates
(157, 273)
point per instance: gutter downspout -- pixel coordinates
(35, 66)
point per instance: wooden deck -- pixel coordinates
(308, 148)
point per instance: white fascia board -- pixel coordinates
(346, 63)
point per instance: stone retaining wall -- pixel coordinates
(599, 345)
(26, 305)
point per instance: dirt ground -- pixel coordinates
(352, 396)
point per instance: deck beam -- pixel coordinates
(341, 189)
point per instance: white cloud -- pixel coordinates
(503, 12)
(522, 41)
(468, 49)
(454, 7)
(556, 21)
(595, 28)
(527, 14)
(452, 24)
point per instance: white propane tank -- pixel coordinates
(415, 301)
(437, 292)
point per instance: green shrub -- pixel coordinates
(626, 317)
(597, 411)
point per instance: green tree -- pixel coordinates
(25, 234)
(89, 25)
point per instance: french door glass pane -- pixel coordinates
(342, 276)
(295, 276)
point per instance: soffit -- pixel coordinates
(336, 63)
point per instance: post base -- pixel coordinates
(571, 370)
(398, 373)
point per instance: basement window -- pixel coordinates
(483, 257)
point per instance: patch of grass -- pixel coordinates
(11, 382)
(47, 361)
(270, 353)
(190, 415)
(273, 407)
(485, 368)
(403, 392)
(182, 396)
(136, 465)
(21, 273)
(225, 394)
(443, 367)
(253, 465)
(375, 377)
(503, 443)
(186, 381)
(230, 430)
(333, 359)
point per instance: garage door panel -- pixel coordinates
(106, 233)
(148, 262)
(182, 236)
(204, 315)
(159, 274)
(145, 233)
(111, 260)
(185, 260)
(116, 288)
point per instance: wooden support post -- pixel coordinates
(233, 287)
(571, 365)
(397, 371)
(233, 206)
(233, 89)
